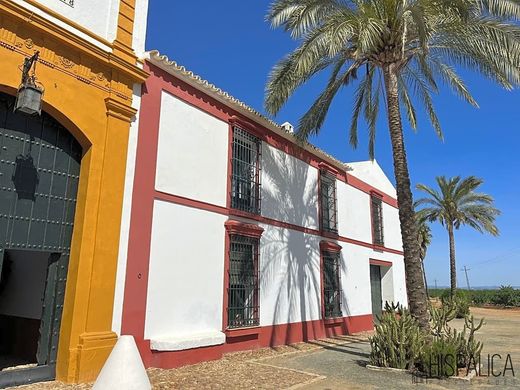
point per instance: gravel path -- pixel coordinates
(242, 370)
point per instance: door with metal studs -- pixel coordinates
(39, 175)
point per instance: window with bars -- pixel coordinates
(331, 285)
(377, 221)
(329, 216)
(243, 304)
(245, 193)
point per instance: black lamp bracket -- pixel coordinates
(29, 64)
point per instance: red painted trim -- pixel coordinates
(229, 167)
(320, 205)
(323, 166)
(144, 195)
(196, 204)
(262, 337)
(243, 229)
(332, 174)
(240, 332)
(328, 246)
(137, 271)
(382, 263)
(254, 231)
(377, 194)
(268, 221)
(376, 246)
(333, 321)
(368, 189)
(193, 96)
(248, 126)
(225, 299)
(322, 286)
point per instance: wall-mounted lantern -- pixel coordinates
(30, 93)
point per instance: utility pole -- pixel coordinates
(435, 284)
(466, 269)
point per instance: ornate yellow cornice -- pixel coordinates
(27, 23)
(119, 110)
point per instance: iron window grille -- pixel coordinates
(243, 288)
(377, 221)
(332, 285)
(329, 214)
(245, 193)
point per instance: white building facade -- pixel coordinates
(239, 237)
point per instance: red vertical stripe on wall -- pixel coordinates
(139, 242)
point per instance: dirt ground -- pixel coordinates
(337, 363)
(500, 334)
(241, 370)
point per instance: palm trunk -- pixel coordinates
(453, 266)
(424, 278)
(412, 259)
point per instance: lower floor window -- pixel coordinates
(331, 285)
(243, 306)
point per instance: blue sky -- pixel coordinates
(230, 44)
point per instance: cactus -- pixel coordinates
(398, 339)
(399, 342)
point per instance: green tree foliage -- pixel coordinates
(395, 54)
(457, 203)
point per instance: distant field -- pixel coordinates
(501, 296)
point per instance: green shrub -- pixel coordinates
(398, 340)
(439, 359)
(482, 297)
(506, 296)
(436, 292)
(460, 301)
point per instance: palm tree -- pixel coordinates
(397, 50)
(456, 204)
(424, 238)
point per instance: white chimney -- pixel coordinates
(287, 126)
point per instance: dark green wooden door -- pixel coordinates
(39, 175)
(377, 297)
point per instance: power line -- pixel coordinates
(498, 258)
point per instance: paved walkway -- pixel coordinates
(344, 368)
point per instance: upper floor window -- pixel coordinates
(377, 221)
(329, 215)
(331, 285)
(245, 192)
(243, 302)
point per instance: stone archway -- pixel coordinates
(39, 175)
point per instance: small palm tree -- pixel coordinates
(424, 238)
(396, 51)
(456, 204)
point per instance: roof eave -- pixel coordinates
(171, 67)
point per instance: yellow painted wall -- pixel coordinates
(90, 93)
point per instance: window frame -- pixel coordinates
(246, 142)
(331, 252)
(248, 234)
(329, 224)
(377, 220)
